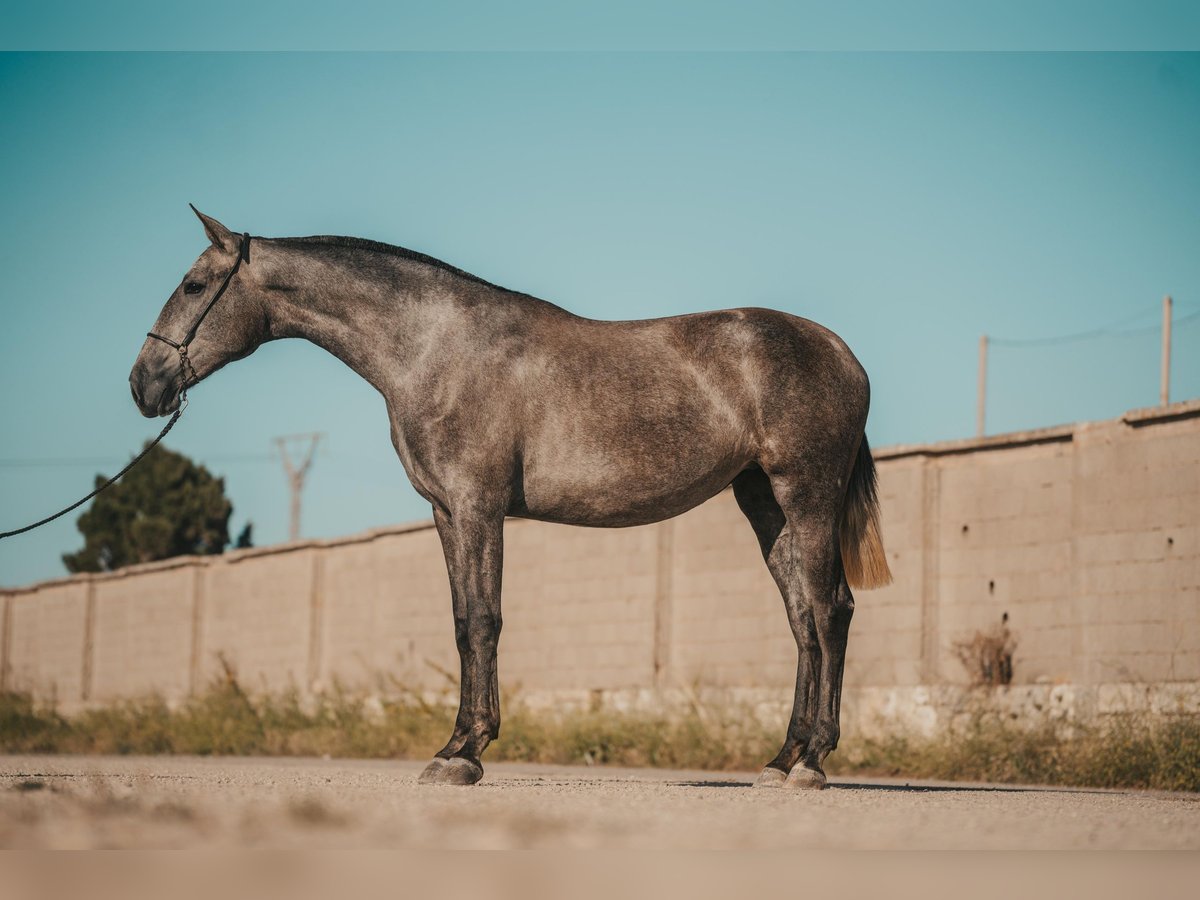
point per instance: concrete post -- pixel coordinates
(981, 388)
(316, 620)
(196, 669)
(663, 601)
(930, 598)
(89, 642)
(6, 641)
(1164, 391)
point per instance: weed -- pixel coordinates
(988, 655)
(1129, 751)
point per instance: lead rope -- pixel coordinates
(187, 375)
(187, 378)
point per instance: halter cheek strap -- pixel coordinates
(188, 375)
(181, 346)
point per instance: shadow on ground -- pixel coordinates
(913, 788)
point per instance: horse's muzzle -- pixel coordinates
(155, 395)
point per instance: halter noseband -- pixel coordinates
(181, 346)
(185, 369)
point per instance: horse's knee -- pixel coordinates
(843, 603)
(462, 634)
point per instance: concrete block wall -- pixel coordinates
(1088, 536)
(890, 625)
(257, 616)
(728, 627)
(1137, 578)
(385, 612)
(579, 607)
(141, 635)
(1004, 535)
(46, 641)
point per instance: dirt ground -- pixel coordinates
(180, 802)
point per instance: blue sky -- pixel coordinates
(612, 25)
(910, 201)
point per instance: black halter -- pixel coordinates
(181, 346)
(188, 378)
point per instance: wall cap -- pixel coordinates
(1153, 415)
(1053, 434)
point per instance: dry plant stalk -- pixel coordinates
(987, 655)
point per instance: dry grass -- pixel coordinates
(1161, 753)
(1125, 752)
(988, 655)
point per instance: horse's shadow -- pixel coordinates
(911, 788)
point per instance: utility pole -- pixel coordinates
(297, 469)
(981, 389)
(1164, 390)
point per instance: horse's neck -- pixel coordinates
(376, 320)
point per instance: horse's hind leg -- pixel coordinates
(797, 535)
(833, 631)
(752, 489)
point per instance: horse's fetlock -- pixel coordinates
(825, 738)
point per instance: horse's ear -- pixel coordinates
(222, 238)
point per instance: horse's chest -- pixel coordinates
(444, 454)
(410, 448)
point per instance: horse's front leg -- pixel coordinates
(473, 543)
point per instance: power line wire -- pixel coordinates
(1110, 330)
(342, 459)
(34, 462)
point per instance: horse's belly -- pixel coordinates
(634, 443)
(603, 499)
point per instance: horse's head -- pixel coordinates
(231, 329)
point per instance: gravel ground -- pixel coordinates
(181, 802)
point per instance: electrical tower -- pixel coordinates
(296, 468)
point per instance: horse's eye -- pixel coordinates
(193, 287)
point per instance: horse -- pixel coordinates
(502, 404)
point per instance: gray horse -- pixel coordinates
(505, 405)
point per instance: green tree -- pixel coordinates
(245, 538)
(165, 506)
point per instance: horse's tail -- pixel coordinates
(863, 558)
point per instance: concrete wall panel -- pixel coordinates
(387, 614)
(47, 642)
(142, 635)
(257, 618)
(579, 607)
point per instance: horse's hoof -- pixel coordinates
(771, 778)
(455, 770)
(429, 776)
(802, 778)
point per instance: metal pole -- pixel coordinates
(1164, 391)
(296, 483)
(981, 396)
(296, 473)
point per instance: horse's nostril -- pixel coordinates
(137, 394)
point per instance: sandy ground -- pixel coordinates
(174, 802)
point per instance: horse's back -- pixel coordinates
(629, 420)
(777, 369)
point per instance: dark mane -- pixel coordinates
(353, 243)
